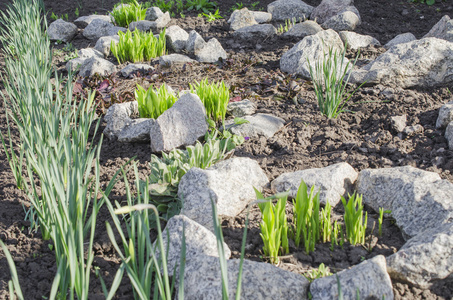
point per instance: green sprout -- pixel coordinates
(381, 218)
(214, 96)
(152, 103)
(321, 271)
(124, 14)
(326, 224)
(353, 218)
(213, 16)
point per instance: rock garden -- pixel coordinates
(190, 149)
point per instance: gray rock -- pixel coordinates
(332, 182)
(83, 54)
(425, 258)
(153, 13)
(398, 123)
(176, 38)
(445, 115)
(211, 52)
(282, 10)
(195, 42)
(133, 68)
(202, 281)
(304, 29)
(369, 279)
(99, 28)
(419, 200)
(260, 125)
(356, 41)
(84, 21)
(407, 65)
(103, 44)
(241, 108)
(329, 8)
(229, 183)
(73, 64)
(142, 25)
(136, 131)
(413, 130)
(181, 125)
(442, 30)
(163, 21)
(241, 18)
(61, 31)
(117, 116)
(262, 17)
(260, 31)
(199, 241)
(174, 59)
(449, 135)
(345, 21)
(400, 39)
(95, 65)
(314, 48)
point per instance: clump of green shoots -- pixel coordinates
(289, 23)
(336, 235)
(326, 224)
(321, 271)
(124, 14)
(152, 103)
(381, 218)
(353, 218)
(141, 46)
(214, 96)
(274, 225)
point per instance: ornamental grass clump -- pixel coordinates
(139, 46)
(354, 222)
(124, 14)
(152, 103)
(330, 77)
(274, 225)
(214, 96)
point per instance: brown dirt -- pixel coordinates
(363, 138)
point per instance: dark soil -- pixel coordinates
(363, 138)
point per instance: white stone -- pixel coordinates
(174, 59)
(256, 31)
(345, 21)
(153, 13)
(282, 10)
(176, 38)
(95, 65)
(241, 108)
(400, 39)
(61, 30)
(262, 17)
(445, 115)
(304, 29)
(211, 52)
(356, 41)
(241, 18)
(329, 8)
(259, 125)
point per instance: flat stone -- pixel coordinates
(136, 131)
(314, 47)
(369, 279)
(449, 135)
(260, 125)
(282, 10)
(304, 29)
(400, 39)
(143, 25)
(134, 68)
(229, 183)
(425, 258)
(176, 38)
(103, 44)
(331, 182)
(199, 242)
(241, 108)
(95, 65)
(262, 17)
(153, 13)
(398, 123)
(211, 52)
(174, 59)
(356, 41)
(181, 125)
(84, 21)
(61, 30)
(445, 115)
(117, 117)
(202, 280)
(256, 31)
(241, 18)
(99, 28)
(195, 42)
(419, 200)
(442, 30)
(346, 21)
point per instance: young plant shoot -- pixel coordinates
(353, 219)
(152, 103)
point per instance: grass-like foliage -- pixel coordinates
(125, 13)
(215, 97)
(152, 103)
(13, 284)
(326, 224)
(201, 5)
(274, 225)
(306, 218)
(353, 218)
(139, 46)
(381, 218)
(321, 271)
(330, 77)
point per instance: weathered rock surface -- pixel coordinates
(313, 48)
(407, 65)
(369, 279)
(202, 280)
(241, 108)
(136, 131)
(82, 55)
(445, 115)
(84, 21)
(174, 59)
(99, 28)
(176, 38)
(346, 20)
(241, 18)
(262, 17)
(400, 39)
(211, 52)
(143, 25)
(229, 183)
(398, 123)
(61, 30)
(449, 135)
(181, 125)
(356, 41)
(199, 241)
(442, 30)
(304, 29)
(419, 200)
(282, 10)
(117, 117)
(425, 258)
(332, 182)
(195, 42)
(329, 8)
(103, 43)
(260, 31)
(133, 68)
(153, 13)
(95, 65)
(260, 125)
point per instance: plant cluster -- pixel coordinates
(321, 271)
(354, 222)
(201, 5)
(152, 103)
(212, 16)
(124, 14)
(140, 46)
(215, 97)
(289, 23)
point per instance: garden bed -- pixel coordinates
(364, 138)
